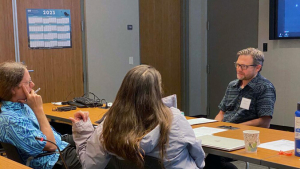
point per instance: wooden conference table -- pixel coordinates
(263, 156)
(94, 113)
(6, 163)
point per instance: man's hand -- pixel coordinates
(80, 115)
(220, 116)
(33, 100)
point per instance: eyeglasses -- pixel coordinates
(30, 81)
(243, 67)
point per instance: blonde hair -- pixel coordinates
(11, 74)
(257, 55)
(137, 109)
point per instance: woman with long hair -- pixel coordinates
(138, 124)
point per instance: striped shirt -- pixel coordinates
(259, 90)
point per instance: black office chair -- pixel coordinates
(12, 153)
(150, 163)
(2, 152)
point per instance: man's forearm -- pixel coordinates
(260, 122)
(220, 116)
(46, 129)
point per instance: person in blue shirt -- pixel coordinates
(22, 119)
(248, 100)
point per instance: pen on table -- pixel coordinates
(37, 90)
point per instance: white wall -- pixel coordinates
(281, 67)
(110, 44)
(197, 57)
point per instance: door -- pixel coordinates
(233, 25)
(58, 72)
(160, 41)
(7, 46)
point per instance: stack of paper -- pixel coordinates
(202, 131)
(200, 121)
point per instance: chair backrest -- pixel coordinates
(11, 152)
(2, 152)
(150, 163)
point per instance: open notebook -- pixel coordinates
(222, 143)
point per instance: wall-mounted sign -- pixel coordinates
(49, 28)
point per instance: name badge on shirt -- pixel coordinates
(245, 104)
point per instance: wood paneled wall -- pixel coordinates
(7, 46)
(58, 72)
(160, 41)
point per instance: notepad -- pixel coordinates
(200, 121)
(222, 143)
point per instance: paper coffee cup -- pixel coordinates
(251, 138)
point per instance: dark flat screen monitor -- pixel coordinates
(284, 19)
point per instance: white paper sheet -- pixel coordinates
(202, 131)
(200, 121)
(283, 145)
(57, 103)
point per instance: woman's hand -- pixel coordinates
(80, 115)
(33, 100)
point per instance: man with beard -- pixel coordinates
(248, 100)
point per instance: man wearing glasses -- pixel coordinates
(248, 100)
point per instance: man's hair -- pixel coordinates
(257, 55)
(11, 74)
(137, 110)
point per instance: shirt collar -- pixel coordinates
(236, 83)
(253, 82)
(11, 105)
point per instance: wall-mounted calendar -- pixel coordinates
(49, 28)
